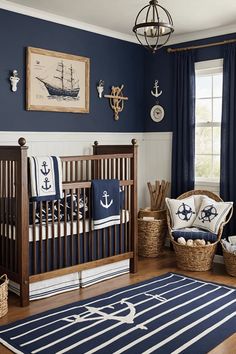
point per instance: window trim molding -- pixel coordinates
(203, 68)
(209, 65)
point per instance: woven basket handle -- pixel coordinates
(224, 223)
(229, 217)
(4, 276)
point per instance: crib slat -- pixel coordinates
(122, 168)
(71, 171)
(115, 239)
(53, 235)
(71, 225)
(125, 223)
(41, 238)
(129, 223)
(84, 232)
(91, 244)
(117, 168)
(59, 235)
(65, 229)
(46, 241)
(7, 210)
(81, 170)
(76, 171)
(16, 221)
(11, 203)
(109, 241)
(87, 171)
(112, 169)
(103, 243)
(34, 237)
(78, 191)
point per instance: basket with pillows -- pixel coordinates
(195, 224)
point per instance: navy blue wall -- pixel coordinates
(160, 66)
(115, 61)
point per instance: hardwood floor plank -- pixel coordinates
(147, 268)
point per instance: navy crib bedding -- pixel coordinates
(105, 242)
(64, 209)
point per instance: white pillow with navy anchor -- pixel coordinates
(211, 214)
(182, 212)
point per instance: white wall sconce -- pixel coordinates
(100, 88)
(14, 79)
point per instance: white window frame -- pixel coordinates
(203, 68)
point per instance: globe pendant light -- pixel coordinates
(153, 26)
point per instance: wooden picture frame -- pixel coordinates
(57, 81)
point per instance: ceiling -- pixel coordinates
(189, 16)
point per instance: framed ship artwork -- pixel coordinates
(57, 81)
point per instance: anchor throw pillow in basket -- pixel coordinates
(211, 214)
(182, 212)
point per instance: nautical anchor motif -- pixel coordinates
(44, 171)
(105, 196)
(46, 182)
(185, 212)
(102, 315)
(155, 93)
(208, 213)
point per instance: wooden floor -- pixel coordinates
(148, 268)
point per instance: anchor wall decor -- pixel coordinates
(155, 92)
(116, 100)
(157, 111)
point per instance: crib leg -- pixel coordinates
(24, 294)
(134, 264)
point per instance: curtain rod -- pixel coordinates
(172, 50)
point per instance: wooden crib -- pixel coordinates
(48, 247)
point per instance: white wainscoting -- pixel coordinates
(154, 153)
(158, 152)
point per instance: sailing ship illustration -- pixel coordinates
(67, 85)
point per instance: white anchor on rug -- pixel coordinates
(105, 196)
(102, 315)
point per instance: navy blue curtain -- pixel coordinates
(183, 145)
(228, 132)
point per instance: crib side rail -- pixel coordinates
(14, 216)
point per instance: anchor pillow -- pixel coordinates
(182, 212)
(211, 214)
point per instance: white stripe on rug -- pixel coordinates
(184, 329)
(204, 333)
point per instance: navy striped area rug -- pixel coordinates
(168, 314)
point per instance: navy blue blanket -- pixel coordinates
(106, 202)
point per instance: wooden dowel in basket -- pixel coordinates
(158, 193)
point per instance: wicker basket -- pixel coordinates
(151, 233)
(198, 258)
(3, 295)
(230, 261)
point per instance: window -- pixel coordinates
(209, 79)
